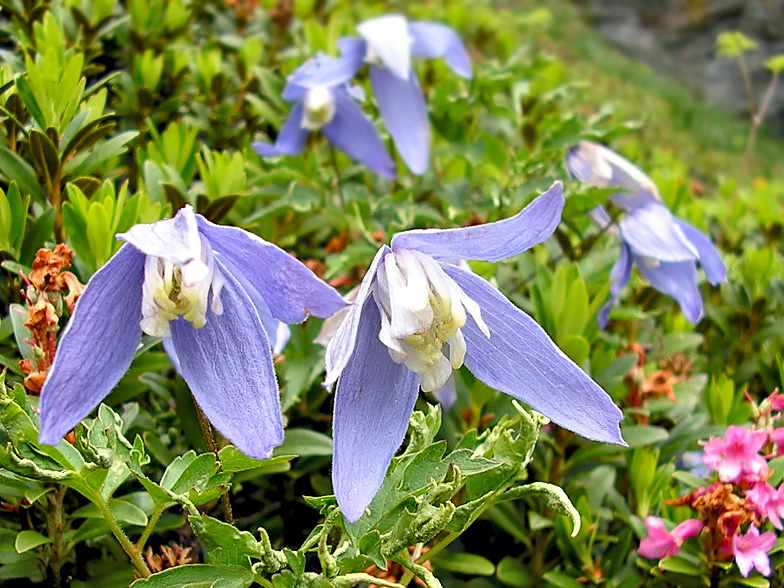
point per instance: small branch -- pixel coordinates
(120, 535)
(744, 72)
(209, 438)
(334, 160)
(758, 117)
(149, 528)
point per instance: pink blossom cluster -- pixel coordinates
(742, 498)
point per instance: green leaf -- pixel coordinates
(775, 63)
(639, 435)
(188, 472)
(27, 540)
(121, 510)
(576, 347)
(733, 44)
(217, 534)
(197, 576)
(14, 168)
(464, 563)
(305, 443)
(233, 460)
(679, 564)
(510, 571)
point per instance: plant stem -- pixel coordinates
(149, 528)
(209, 438)
(54, 522)
(744, 72)
(120, 535)
(334, 159)
(757, 118)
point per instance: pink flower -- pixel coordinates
(660, 543)
(776, 401)
(736, 456)
(777, 438)
(769, 501)
(751, 551)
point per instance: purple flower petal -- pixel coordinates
(175, 239)
(446, 395)
(521, 360)
(352, 132)
(431, 39)
(373, 403)
(277, 331)
(323, 70)
(228, 367)
(388, 38)
(404, 111)
(341, 345)
(291, 138)
(96, 347)
(597, 165)
(619, 277)
(677, 280)
(710, 259)
(651, 231)
(491, 241)
(287, 286)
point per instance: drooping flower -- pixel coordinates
(659, 543)
(417, 317)
(751, 551)
(388, 43)
(323, 100)
(665, 248)
(736, 456)
(206, 287)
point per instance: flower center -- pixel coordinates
(422, 312)
(319, 108)
(171, 291)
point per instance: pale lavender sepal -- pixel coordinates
(491, 241)
(288, 287)
(388, 39)
(597, 165)
(322, 71)
(227, 364)
(432, 39)
(97, 346)
(175, 239)
(651, 231)
(619, 276)
(352, 132)
(679, 281)
(710, 258)
(171, 353)
(446, 395)
(277, 331)
(373, 402)
(404, 111)
(520, 359)
(290, 140)
(342, 344)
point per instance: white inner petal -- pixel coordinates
(422, 312)
(319, 108)
(388, 43)
(170, 291)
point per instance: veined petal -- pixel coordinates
(277, 331)
(710, 258)
(176, 239)
(96, 347)
(287, 286)
(343, 342)
(322, 70)
(521, 360)
(619, 277)
(597, 165)
(373, 393)
(228, 367)
(651, 231)
(388, 40)
(404, 111)
(291, 138)
(432, 39)
(491, 241)
(352, 132)
(679, 281)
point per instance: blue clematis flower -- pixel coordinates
(665, 248)
(324, 101)
(418, 317)
(205, 287)
(388, 43)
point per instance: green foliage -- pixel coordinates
(733, 44)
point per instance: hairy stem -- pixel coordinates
(119, 534)
(54, 523)
(149, 528)
(209, 438)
